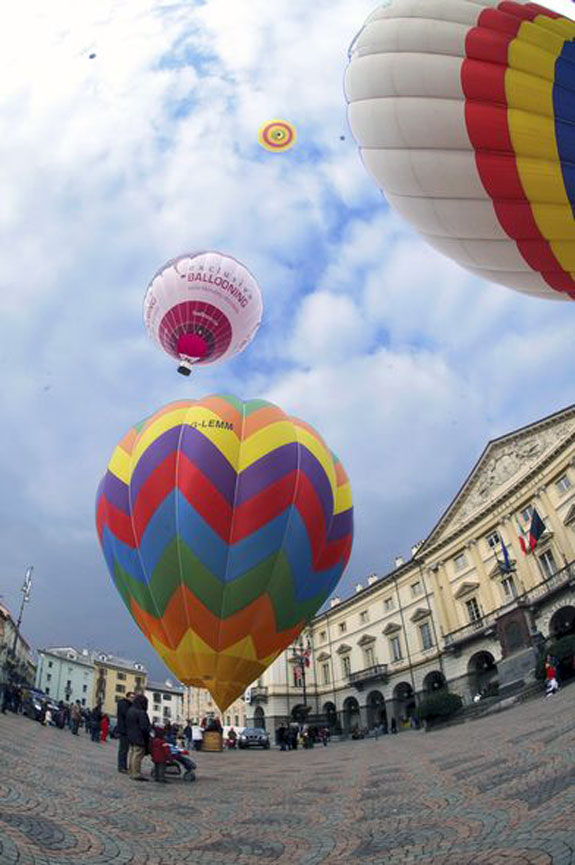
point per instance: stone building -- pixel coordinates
(16, 658)
(113, 678)
(66, 674)
(198, 704)
(165, 702)
(466, 611)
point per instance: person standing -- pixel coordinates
(123, 743)
(138, 727)
(75, 717)
(188, 735)
(95, 722)
(104, 728)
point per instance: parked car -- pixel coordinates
(254, 737)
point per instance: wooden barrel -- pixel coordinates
(213, 741)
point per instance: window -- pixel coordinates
(120, 689)
(322, 636)
(122, 677)
(49, 677)
(460, 562)
(117, 698)
(84, 689)
(364, 617)
(68, 684)
(167, 712)
(395, 648)
(369, 657)
(139, 681)
(346, 665)
(548, 564)
(526, 514)
(325, 674)
(228, 721)
(157, 707)
(473, 610)
(416, 589)
(69, 670)
(509, 588)
(83, 701)
(563, 484)
(388, 604)
(426, 637)
(493, 540)
(342, 627)
(237, 720)
(167, 696)
(157, 697)
(47, 690)
(49, 665)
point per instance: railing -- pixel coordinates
(468, 632)
(557, 581)
(259, 694)
(376, 671)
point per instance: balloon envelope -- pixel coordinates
(206, 296)
(225, 526)
(464, 111)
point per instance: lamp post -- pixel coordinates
(301, 656)
(26, 590)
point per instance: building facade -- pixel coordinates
(66, 674)
(199, 704)
(16, 658)
(114, 678)
(466, 612)
(165, 702)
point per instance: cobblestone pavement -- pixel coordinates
(498, 791)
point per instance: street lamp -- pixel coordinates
(26, 590)
(301, 657)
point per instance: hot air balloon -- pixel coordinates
(464, 111)
(204, 307)
(225, 526)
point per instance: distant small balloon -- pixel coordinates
(91, 56)
(277, 135)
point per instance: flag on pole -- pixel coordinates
(306, 656)
(506, 565)
(521, 537)
(536, 530)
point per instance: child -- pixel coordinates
(160, 752)
(104, 727)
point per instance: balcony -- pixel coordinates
(375, 673)
(259, 694)
(563, 579)
(483, 627)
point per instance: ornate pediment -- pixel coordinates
(466, 589)
(323, 656)
(570, 517)
(392, 628)
(343, 649)
(504, 462)
(366, 640)
(420, 613)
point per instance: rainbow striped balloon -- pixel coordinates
(464, 111)
(225, 526)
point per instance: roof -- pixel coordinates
(109, 660)
(165, 687)
(82, 657)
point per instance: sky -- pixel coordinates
(110, 166)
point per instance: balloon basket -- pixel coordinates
(213, 741)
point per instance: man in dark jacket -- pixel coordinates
(123, 743)
(138, 730)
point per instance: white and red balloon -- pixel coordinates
(201, 308)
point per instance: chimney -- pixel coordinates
(372, 579)
(399, 561)
(415, 548)
(335, 601)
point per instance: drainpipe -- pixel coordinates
(406, 640)
(440, 650)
